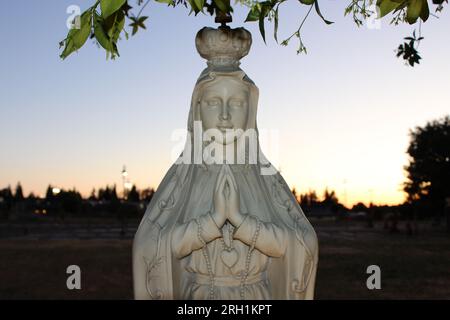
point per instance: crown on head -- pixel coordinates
(223, 47)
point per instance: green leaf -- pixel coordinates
(253, 14)
(169, 2)
(114, 25)
(138, 22)
(102, 37)
(275, 26)
(387, 6)
(413, 11)
(193, 7)
(223, 5)
(307, 2)
(425, 13)
(110, 6)
(266, 6)
(199, 4)
(261, 28)
(259, 12)
(126, 9)
(316, 4)
(68, 49)
(78, 37)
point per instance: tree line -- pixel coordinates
(60, 202)
(427, 187)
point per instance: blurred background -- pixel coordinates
(362, 140)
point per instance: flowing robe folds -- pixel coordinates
(169, 255)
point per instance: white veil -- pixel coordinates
(182, 196)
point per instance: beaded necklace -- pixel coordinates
(227, 248)
(229, 254)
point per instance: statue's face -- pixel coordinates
(224, 106)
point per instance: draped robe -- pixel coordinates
(276, 246)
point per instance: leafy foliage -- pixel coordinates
(428, 171)
(137, 23)
(105, 26)
(105, 20)
(408, 50)
(110, 6)
(78, 37)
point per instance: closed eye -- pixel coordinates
(213, 103)
(237, 103)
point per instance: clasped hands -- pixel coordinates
(226, 199)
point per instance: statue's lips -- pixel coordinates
(224, 128)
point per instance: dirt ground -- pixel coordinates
(412, 267)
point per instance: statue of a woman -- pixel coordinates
(224, 226)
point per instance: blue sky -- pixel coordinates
(343, 111)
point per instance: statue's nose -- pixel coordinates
(225, 115)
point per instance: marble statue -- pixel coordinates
(224, 225)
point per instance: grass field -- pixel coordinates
(412, 267)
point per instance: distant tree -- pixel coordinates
(114, 196)
(428, 171)
(108, 194)
(18, 196)
(92, 197)
(359, 207)
(303, 199)
(6, 193)
(147, 194)
(31, 196)
(6, 197)
(313, 198)
(103, 194)
(329, 204)
(71, 201)
(329, 197)
(309, 200)
(294, 193)
(49, 193)
(133, 195)
(331, 201)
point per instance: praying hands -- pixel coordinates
(226, 199)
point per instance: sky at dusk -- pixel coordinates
(342, 112)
